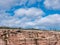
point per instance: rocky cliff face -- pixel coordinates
(28, 37)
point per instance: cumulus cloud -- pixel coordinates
(7, 20)
(22, 17)
(30, 12)
(52, 4)
(8, 4)
(51, 21)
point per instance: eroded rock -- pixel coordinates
(28, 37)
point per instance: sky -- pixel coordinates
(38, 14)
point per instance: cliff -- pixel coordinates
(29, 37)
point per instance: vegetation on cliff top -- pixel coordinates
(27, 28)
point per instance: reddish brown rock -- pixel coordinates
(29, 37)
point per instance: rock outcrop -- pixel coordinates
(29, 37)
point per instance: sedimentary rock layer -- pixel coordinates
(29, 37)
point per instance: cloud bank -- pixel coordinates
(21, 17)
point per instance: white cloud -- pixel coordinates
(27, 16)
(7, 4)
(30, 12)
(52, 4)
(50, 21)
(7, 20)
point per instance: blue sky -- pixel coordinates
(39, 14)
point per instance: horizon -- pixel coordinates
(28, 29)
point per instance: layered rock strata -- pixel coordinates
(29, 37)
